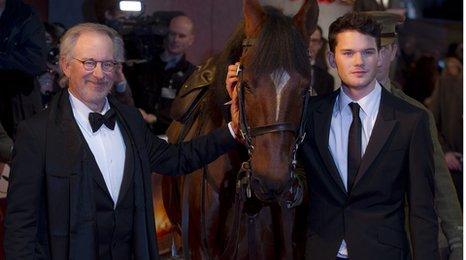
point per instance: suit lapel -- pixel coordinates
(129, 154)
(73, 142)
(383, 128)
(322, 119)
(66, 150)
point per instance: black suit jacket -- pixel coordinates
(397, 163)
(50, 212)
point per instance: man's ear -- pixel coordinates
(191, 39)
(331, 60)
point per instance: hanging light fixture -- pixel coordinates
(130, 6)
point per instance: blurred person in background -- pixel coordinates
(22, 58)
(447, 107)
(322, 81)
(421, 83)
(49, 81)
(157, 81)
(447, 205)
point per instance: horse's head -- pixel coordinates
(273, 88)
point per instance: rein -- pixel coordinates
(291, 195)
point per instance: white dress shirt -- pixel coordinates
(339, 130)
(107, 146)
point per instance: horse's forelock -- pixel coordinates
(279, 46)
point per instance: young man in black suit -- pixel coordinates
(365, 152)
(80, 183)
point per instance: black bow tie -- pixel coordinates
(97, 120)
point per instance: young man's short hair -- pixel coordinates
(354, 21)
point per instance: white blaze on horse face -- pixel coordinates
(280, 78)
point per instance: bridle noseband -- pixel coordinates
(291, 194)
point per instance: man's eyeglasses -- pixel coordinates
(106, 65)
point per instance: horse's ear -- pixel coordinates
(306, 19)
(253, 17)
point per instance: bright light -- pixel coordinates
(131, 6)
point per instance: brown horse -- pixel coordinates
(242, 206)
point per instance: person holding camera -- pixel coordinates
(22, 58)
(157, 82)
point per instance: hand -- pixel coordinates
(453, 162)
(234, 110)
(232, 79)
(149, 118)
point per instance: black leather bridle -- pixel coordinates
(291, 194)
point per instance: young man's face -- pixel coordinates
(356, 59)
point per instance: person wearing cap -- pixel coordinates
(447, 205)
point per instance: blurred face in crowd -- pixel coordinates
(356, 59)
(387, 56)
(91, 86)
(180, 35)
(453, 67)
(315, 43)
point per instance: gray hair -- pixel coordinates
(69, 39)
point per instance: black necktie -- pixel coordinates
(97, 120)
(354, 145)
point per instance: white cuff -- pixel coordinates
(231, 130)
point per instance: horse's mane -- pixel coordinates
(281, 47)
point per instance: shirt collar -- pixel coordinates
(168, 58)
(81, 111)
(368, 103)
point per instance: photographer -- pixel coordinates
(22, 58)
(48, 81)
(156, 82)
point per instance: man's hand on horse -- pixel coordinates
(231, 80)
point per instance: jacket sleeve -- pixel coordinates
(446, 202)
(178, 159)
(24, 196)
(27, 53)
(422, 216)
